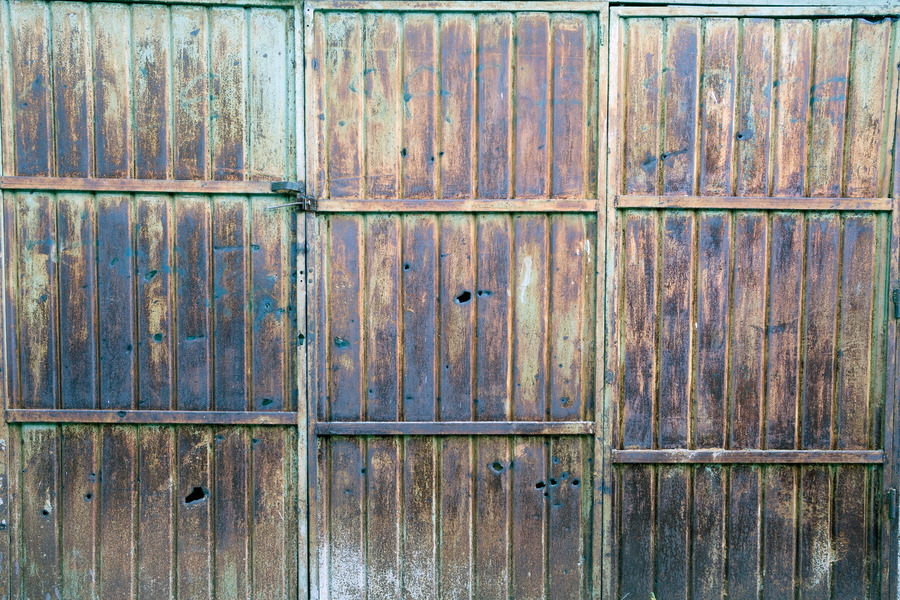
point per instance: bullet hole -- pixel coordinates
(432, 159)
(664, 155)
(496, 467)
(88, 497)
(540, 485)
(341, 342)
(220, 438)
(564, 475)
(464, 297)
(441, 153)
(341, 123)
(266, 401)
(254, 247)
(575, 483)
(403, 153)
(157, 337)
(406, 267)
(45, 512)
(484, 293)
(555, 460)
(301, 339)
(554, 483)
(371, 391)
(198, 494)
(113, 262)
(254, 441)
(151, 274)
(563, 401)
(363, 471)
(121, 414)
(128, 348)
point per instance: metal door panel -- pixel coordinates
(751, 302)
(461, 319)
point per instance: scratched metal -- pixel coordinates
(151, 302)
(145, 301)
(752, 329)
(462, 317)
(148, 91)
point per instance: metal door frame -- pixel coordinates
(886, 504)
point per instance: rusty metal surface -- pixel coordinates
(137, 302)
(754, 328)
(157, 302)
(453, 317)
(119, 511)
(148, 91)
(454, 324)
(416, 105)
(167, 323)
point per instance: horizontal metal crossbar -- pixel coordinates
(457, 206)
(753, 203)
(152, 417)
(715, 456)
(135, 186)
(454, 428)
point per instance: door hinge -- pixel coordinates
(895, 297)
(304, 203)
(890, 497)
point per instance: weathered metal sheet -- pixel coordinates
(755, 106)
(746, 327)
(132, 299)
(151, 302)
(149, 91)
(154, 512)
(430, 105)
(453, 317)
(176, 292)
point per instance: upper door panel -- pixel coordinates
(725, 106)
(455, 104)
(148, 91)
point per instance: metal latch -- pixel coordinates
(895, 297)
(304, 203)
(890, 497)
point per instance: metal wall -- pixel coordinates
(543, 362)
(138, 302)
(756, 329)
(474, 316)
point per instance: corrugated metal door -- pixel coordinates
(150, 302)
(455, 151)
(750, 179)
